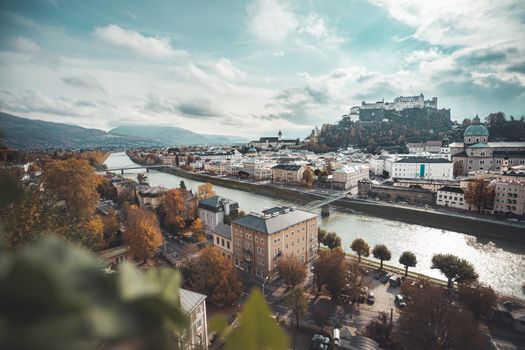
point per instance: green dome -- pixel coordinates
(476, 130)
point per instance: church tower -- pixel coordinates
(280, 136)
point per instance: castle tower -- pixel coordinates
(280, 136)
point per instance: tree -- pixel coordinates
(330, 270)
(479, 193)
(182, 185)
(454, 268)
(95, 227)
(332, 240)
(74, 181)
(173, 210)
(197, 230)
(296, 301)
(142, 178)
(479, 298)
(291, 270)
(431, 321)
(321, 235)
(381, 253)
(355, 280)
(523, 288)
(142, 233)
(308, 177)
(495, 118)
(408, 259)
(214, 275)
(205, 191)
(380, 330)
(360, 247)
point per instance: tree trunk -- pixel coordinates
(449, 283)
(381, 266)
(359, 257)
(406, 271)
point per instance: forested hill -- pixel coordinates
(414, 125)
(22, 133)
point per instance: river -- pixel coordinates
(499, 264)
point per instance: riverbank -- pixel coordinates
(487, 228)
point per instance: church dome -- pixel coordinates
(476, 130)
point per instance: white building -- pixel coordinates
(377, 164)
(420, 167)
(400, 103)
(348, 176)
(222, 239)
(510, 197)
(213, 210)
(452, 197)
(193, 305)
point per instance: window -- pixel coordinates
(217, 239)
(222, 242)
(228, 244)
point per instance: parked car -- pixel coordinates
(379, 274)
(394, 281)
(371, 298)
(400, 301)
(385, 278)
(320, 342)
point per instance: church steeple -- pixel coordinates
(280, 135)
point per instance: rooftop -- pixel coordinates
(223, 230)
(215, 202)
(452, 189)
(274, 219)
(190, 300)
(290, 167)
(423, 160)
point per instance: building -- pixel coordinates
(213, 210)
(429, 146)
(193, 305)
(274, 142)
(452, 197)
(116, 255)
(422, 167)
(222, 239)
(348, 176)
(259, 240)
(420, 196)
(432, 185)
(476, 153)
(288, 173)
(149, 196)
(509, 197)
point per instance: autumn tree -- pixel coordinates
(380, 329)
(296, 301)
(205, 191)
(355, 280)
(330, 271)
(197, 230)
(142, 233)
(142, 178)
(214, 275)
(481, 299)
(308, 177)
(431, 321)
(454, 268)
(291, 270)
(172, 209)
(321, 234)
(332, 240)
(408, 259)
(74, 181)
(360, 247)
(381, 253)
(480, 194)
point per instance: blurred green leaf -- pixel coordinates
(10, 190)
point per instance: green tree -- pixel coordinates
(296, 301)
(360, 247)
(321, 235)
(454, 268)
(332, 240)
(381, 253)
(408, 259)
(182, 185)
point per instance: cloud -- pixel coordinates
(271, 20)
(227, 70)
(148, 46)
(423, 55)
(314, 26)
(83, 82)
(156, 105)
(200, 108)
(278, 53)
(517, 67)
(25, 45)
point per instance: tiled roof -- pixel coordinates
(452, 189)
(290, 167)
(223, 230)
(423, 160)
(190, 300)
(272, 224)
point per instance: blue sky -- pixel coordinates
(251, 67)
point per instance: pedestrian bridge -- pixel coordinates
(136, 166)
(325, 201)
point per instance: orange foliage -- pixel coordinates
(142, 233)
(173, 208)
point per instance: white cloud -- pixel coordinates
(156, 47)
(423, 55)
(278, 53)
(271, 20)
(226, 69)
(314, 26)
(25, 45)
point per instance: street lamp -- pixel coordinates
(264, 282)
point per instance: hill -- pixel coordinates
(23, 133)
(171, 136)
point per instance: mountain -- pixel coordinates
(169, 135)
(23, 133)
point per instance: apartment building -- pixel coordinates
(222, 239)
(260, 240)
(213, 210)
(348, 176)
(288, 173)
(509, 197)
(193, 305)
(452, 197)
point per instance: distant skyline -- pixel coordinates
(250, 68)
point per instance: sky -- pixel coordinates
(250, 68)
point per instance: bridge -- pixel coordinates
(324, 202)
(136, 166)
